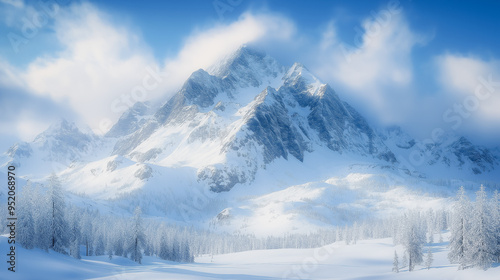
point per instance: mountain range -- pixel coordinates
(247, 126)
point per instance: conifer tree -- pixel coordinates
(58, 225)
(75, 234)
(460, 224)
(404, 261)
(483, 243)
(26, 222)
(495, 218)
(395, 263)
(164, 249)
(137, 240)
(413, 239)
(429, 259)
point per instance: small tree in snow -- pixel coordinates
(26, 223)
(164, 253)
(483, 243)
(59, 227)
(429, 259)
(75, 232)
(404, 261)
(395, 263)
(413, 238)
(460, 223)
(495, 218)
(137, 240)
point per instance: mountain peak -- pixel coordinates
(131, 120)
(299, 70)
(63, 136)
(247, 67)
(61, 126)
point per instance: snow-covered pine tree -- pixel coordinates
(164, 252)
(429, 259)
(413, 239)
(355, 233)
(26, 223)
(58, 225)
(347, 235)
(186, 252)
(483, 241)
(148, 248)
(99, 245)
(118, 240)
(175, 250)
(460, 223)
(109, 245)
(75, 234)
(430, 225)
(87, 231)
(395, 263)
(404, 261)
(41, 214)
(137, 240)
(495, 217)
(338, 236)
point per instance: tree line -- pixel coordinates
(47, 221)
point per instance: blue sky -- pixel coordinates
(423, 65)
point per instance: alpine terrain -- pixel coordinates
(249, 145)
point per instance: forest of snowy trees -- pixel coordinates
(47, 221)
(474, 228)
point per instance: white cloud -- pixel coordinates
(99, 63)
(459, 74)
(103, 68)
(377, 68)
(473, 83)
(329, 37)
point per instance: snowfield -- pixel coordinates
(369, 259)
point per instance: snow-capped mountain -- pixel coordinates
(266, 140)
(245, 113)
(52, 150)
